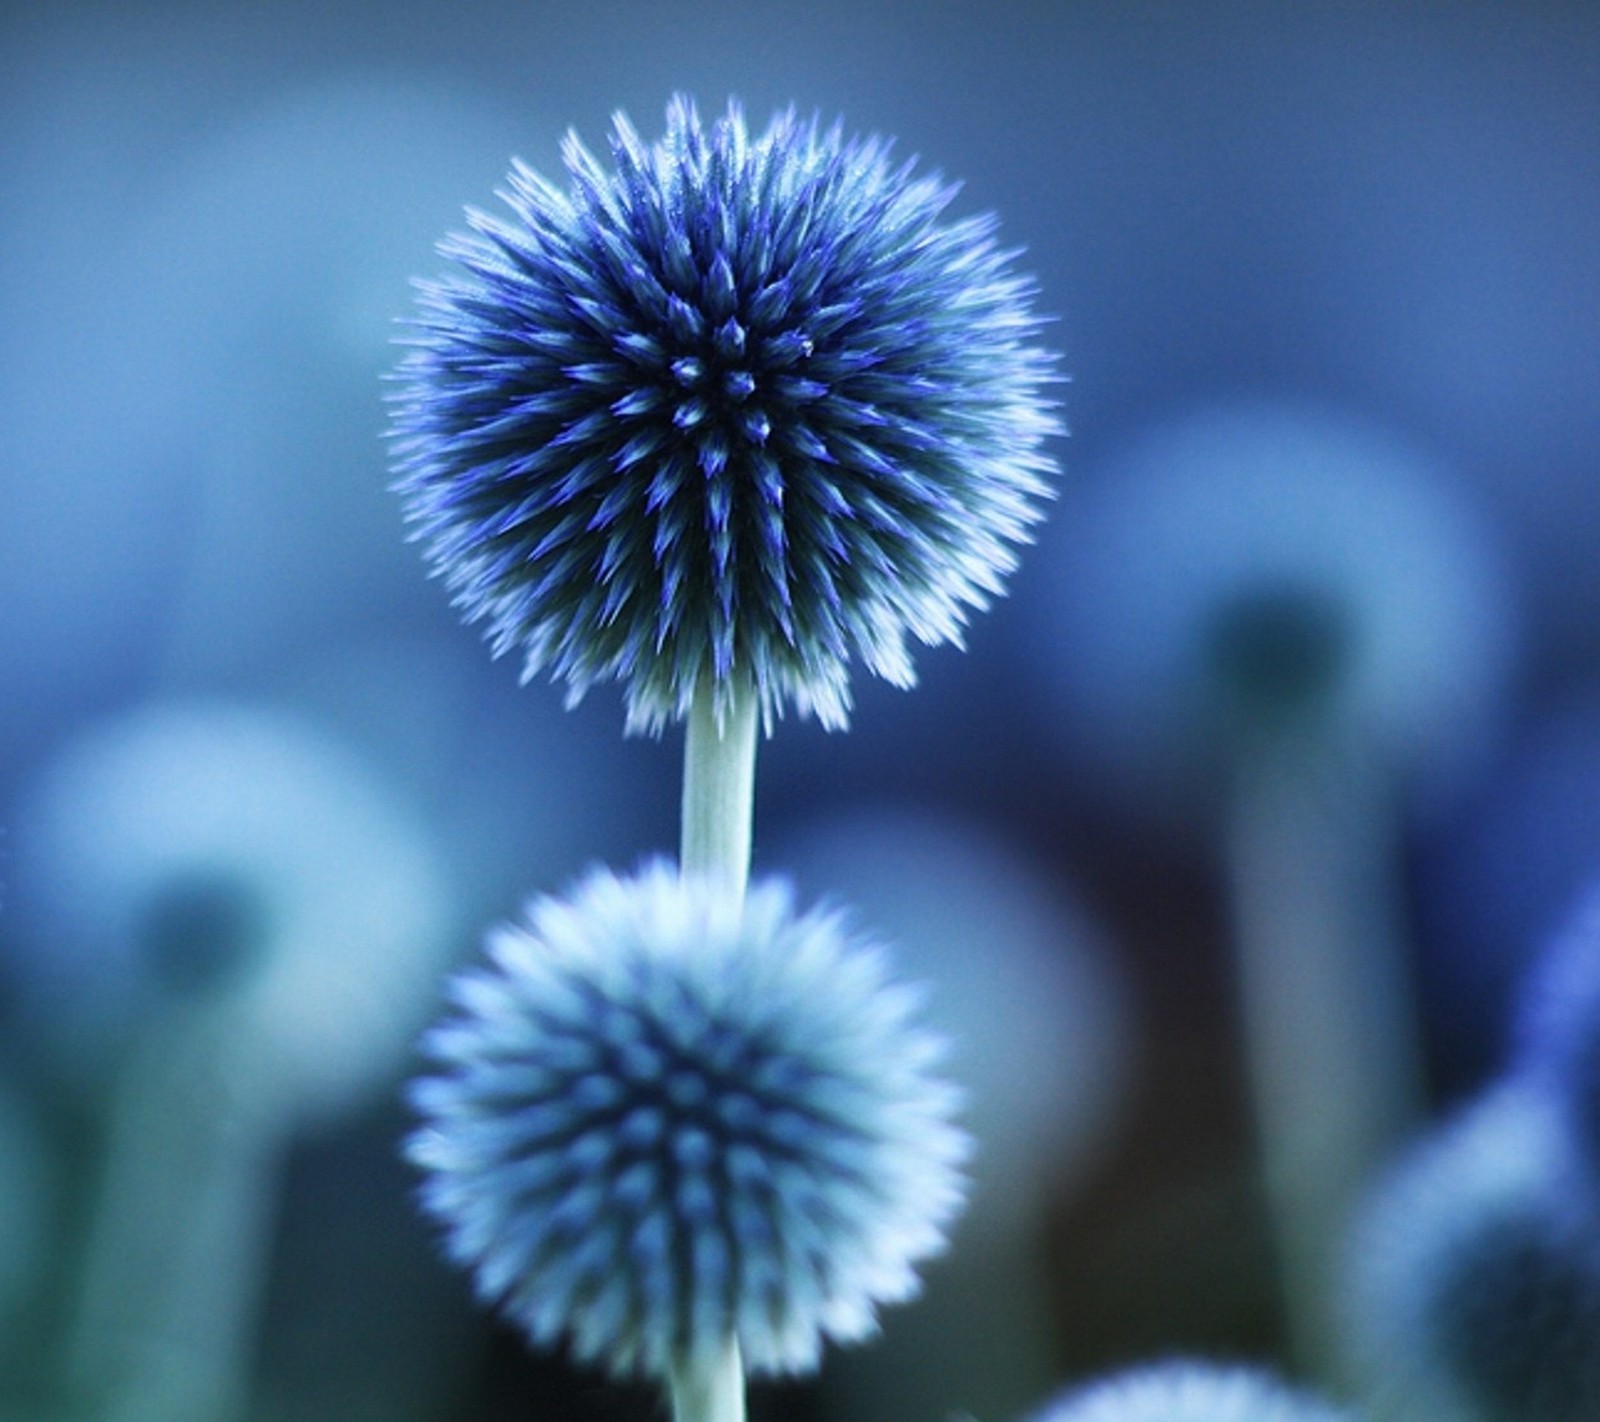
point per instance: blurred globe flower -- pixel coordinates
(742, 408)
(1183, 1391)
(665, 1119)
(1286, 617)
(1042, 1041)
(236, 858)
(1252, 566)
(1475, 1274)
(223, 902)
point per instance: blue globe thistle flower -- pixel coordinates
(743, 407)
(1180, 1390)
(666, 1118)
(1475, 1276)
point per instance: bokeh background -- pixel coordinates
(1384, 218)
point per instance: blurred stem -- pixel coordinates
(719, 771)
(709, 1388)
(177, 1251)
(1328, 1005)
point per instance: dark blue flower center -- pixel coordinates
(203, 931)
(1278, 652)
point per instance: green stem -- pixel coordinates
(709, 1388)
(719, 772)
(176, 1263)
(1330, 1034)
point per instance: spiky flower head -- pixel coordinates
(1180, 1390)
(665, 1118)
(740, 407)
(1475, 1275)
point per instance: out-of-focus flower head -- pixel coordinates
(1039, 1019)
(1255, 566)
(664, 1118)
(236, 859)
(741, 406)
(1181, 1390)
(1474, 1274)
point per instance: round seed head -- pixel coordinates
(739, 406)
(1184, 1391)
(663, 1118)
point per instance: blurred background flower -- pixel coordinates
(1029, 992)
(230, 930)
(1386, 210)
(1474, 1271)
(1283, 624)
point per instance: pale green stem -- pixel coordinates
(176, 1263)
(1327, 1005)
(719, 772)
(709, 1388)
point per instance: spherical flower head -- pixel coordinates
(242, 863)
(1180, 1390)
(665, 1118)
(1250, 569)
(1475, 1278)
(740, 408)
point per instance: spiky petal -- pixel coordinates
(737, 407)
(665, 1117)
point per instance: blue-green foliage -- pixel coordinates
(663, 1117)
(739, 407)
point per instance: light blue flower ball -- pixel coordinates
(663, 1118)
